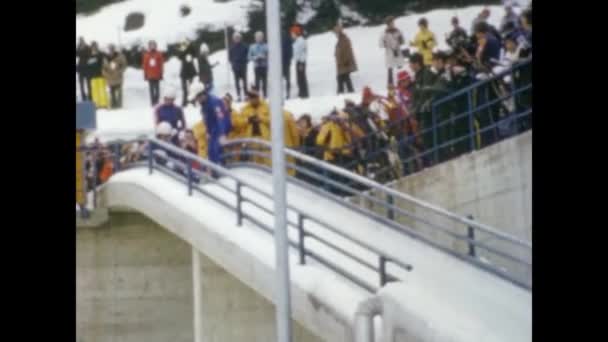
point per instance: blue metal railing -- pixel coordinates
(435, 227)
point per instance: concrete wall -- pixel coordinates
(494, 185)
(134, 283)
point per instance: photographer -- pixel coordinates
(257, 112)
(391, 40)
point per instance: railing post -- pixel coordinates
(150, 157)
(190, 176)
(471, 125)
(434, 123)
(390, 212)
(471, 236)
(382, 271)
(239, 212)
(301, 235)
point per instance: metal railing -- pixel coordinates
(434, 226)
(178, 164)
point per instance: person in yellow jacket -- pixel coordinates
(239, 127)
(200, 134)
(335, 133)
(257, 113)
(425, 41)
(292, 138)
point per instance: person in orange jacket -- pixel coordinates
(153, 65)
(107, 167)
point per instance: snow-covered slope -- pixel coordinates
(163, 21)
(136, 116)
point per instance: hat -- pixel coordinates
(195, 90)
(455, 20)
(204, 48)
(296, 30)
(423, 21)
(163, 128)
(389, 19)
(170, 93)
(403, 75)
(368, 95)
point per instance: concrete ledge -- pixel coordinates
(98, 217)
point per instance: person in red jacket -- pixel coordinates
(152, 64)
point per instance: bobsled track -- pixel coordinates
(348, 264)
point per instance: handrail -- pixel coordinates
(387, 190)
(185, 160)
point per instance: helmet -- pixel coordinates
(170, 93)
(195, 89)
(204, 48)
(163, 128)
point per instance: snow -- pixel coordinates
(136, 117)
(163, 21)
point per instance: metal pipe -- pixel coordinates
(197, 298)
(279, 174)
(364, 319)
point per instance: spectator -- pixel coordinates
(425, 41)
(410, 142)
(95, 62)
(292, 139)
(308, 134)
(214, 113)
(153, 64)
(440, 87)
(238, 55)
(82, 57)
(458, 38)
(107, 166)
(170, 113)
(113, 70)
(510, 21)
(258, 54)
(287, 55)
(345, 60)
(257, 112)
(300, 55)
(459, 78)
(186, 54)
(525, 39)
(488, 48)
(482, 17)
(205, 69)
(421, 101)
(200, 134)
(391, 40)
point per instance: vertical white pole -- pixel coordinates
(227, 44)
(197, 298)
(282, 296)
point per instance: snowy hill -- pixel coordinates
(136, 116)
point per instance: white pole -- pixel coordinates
(197, 298)
(282, 296)
(227, 44)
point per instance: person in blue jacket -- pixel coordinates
(171, 113)
(238, 56)
(258, 54)
(287, 55)
(488, 47)
(216, 119)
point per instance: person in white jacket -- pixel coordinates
(300, 54)
(391, 40)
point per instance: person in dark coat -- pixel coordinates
(308, 137)
(287, 55)
(488, 47)
(82, 54)
(421, 100)
(205, 69)
(187, 55)
(345, 60)
(238, 60)
(458, 38)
